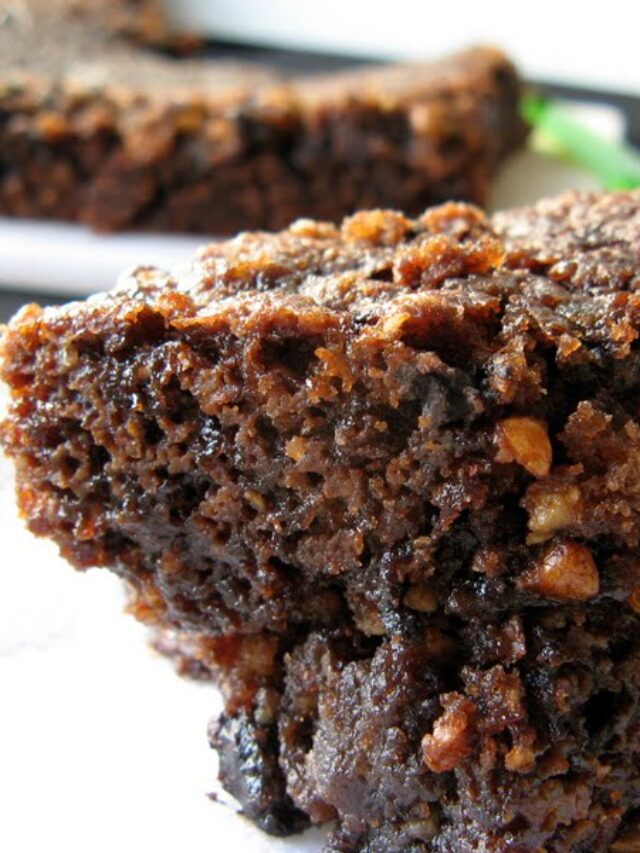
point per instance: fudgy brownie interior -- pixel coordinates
(380, 482)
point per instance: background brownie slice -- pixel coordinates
(93, 128)
(382, 480)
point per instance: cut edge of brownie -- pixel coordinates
(382, 482)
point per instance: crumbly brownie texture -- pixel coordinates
(381, 483)
(94, 129)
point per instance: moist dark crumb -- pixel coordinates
(98, 129)
(379, 483)
(250, 771)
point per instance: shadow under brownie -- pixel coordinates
(380, 483)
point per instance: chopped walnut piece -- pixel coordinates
(566, 571)
(450, 741)
(551, 507)
(296, 448)
(256, 500)
(525, 441)
(392, 324)
(520, 759)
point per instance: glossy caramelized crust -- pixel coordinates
(381, 482)
(97, 129)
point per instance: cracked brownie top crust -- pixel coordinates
(382, 479)
(97, 129)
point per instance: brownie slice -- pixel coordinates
(380, 482)
(96, 129)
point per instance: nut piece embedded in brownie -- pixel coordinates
(97, 129)
(380, 482)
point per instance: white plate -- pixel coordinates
(69, 259)
(589, 44)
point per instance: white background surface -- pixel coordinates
(589, 43)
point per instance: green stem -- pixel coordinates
(615, 164)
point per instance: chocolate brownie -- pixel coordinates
(96, 129)
(380, 482)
